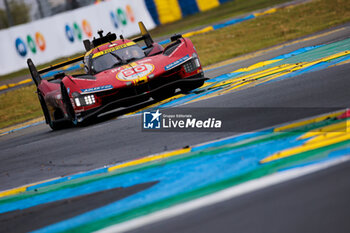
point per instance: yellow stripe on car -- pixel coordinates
(113, 49)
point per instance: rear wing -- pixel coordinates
(36, 74)
(145, 36)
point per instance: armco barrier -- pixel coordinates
(62, 35)
(167, 11)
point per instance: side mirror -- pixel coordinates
(87, 45)
(59, 75)
(175, 37)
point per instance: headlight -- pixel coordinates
(196, 61)
(77, 102)
(84, 100)
(191, 65)
(89, 99)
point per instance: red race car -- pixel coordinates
(118, 73)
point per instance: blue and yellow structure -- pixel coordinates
(167, 11)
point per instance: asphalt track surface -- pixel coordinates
(37, 217)
(41, 153)
(37, 153)
(295, 206)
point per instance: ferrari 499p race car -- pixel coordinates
(118, 73)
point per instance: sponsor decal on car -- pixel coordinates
(134, 72)
(177, 62)
(113, 49)
(96, 89)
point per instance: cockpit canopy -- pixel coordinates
(111, 58)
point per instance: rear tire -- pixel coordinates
(53, 125)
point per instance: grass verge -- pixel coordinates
(19, 105)
(286, 24)
(25, 71)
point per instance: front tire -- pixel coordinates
(68, 105)
(163, 94)
(192, 85)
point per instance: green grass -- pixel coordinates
(25, 71)
(286, 24)
(19, 105)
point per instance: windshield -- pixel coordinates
(117, 58)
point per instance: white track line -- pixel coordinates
(221, 196)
